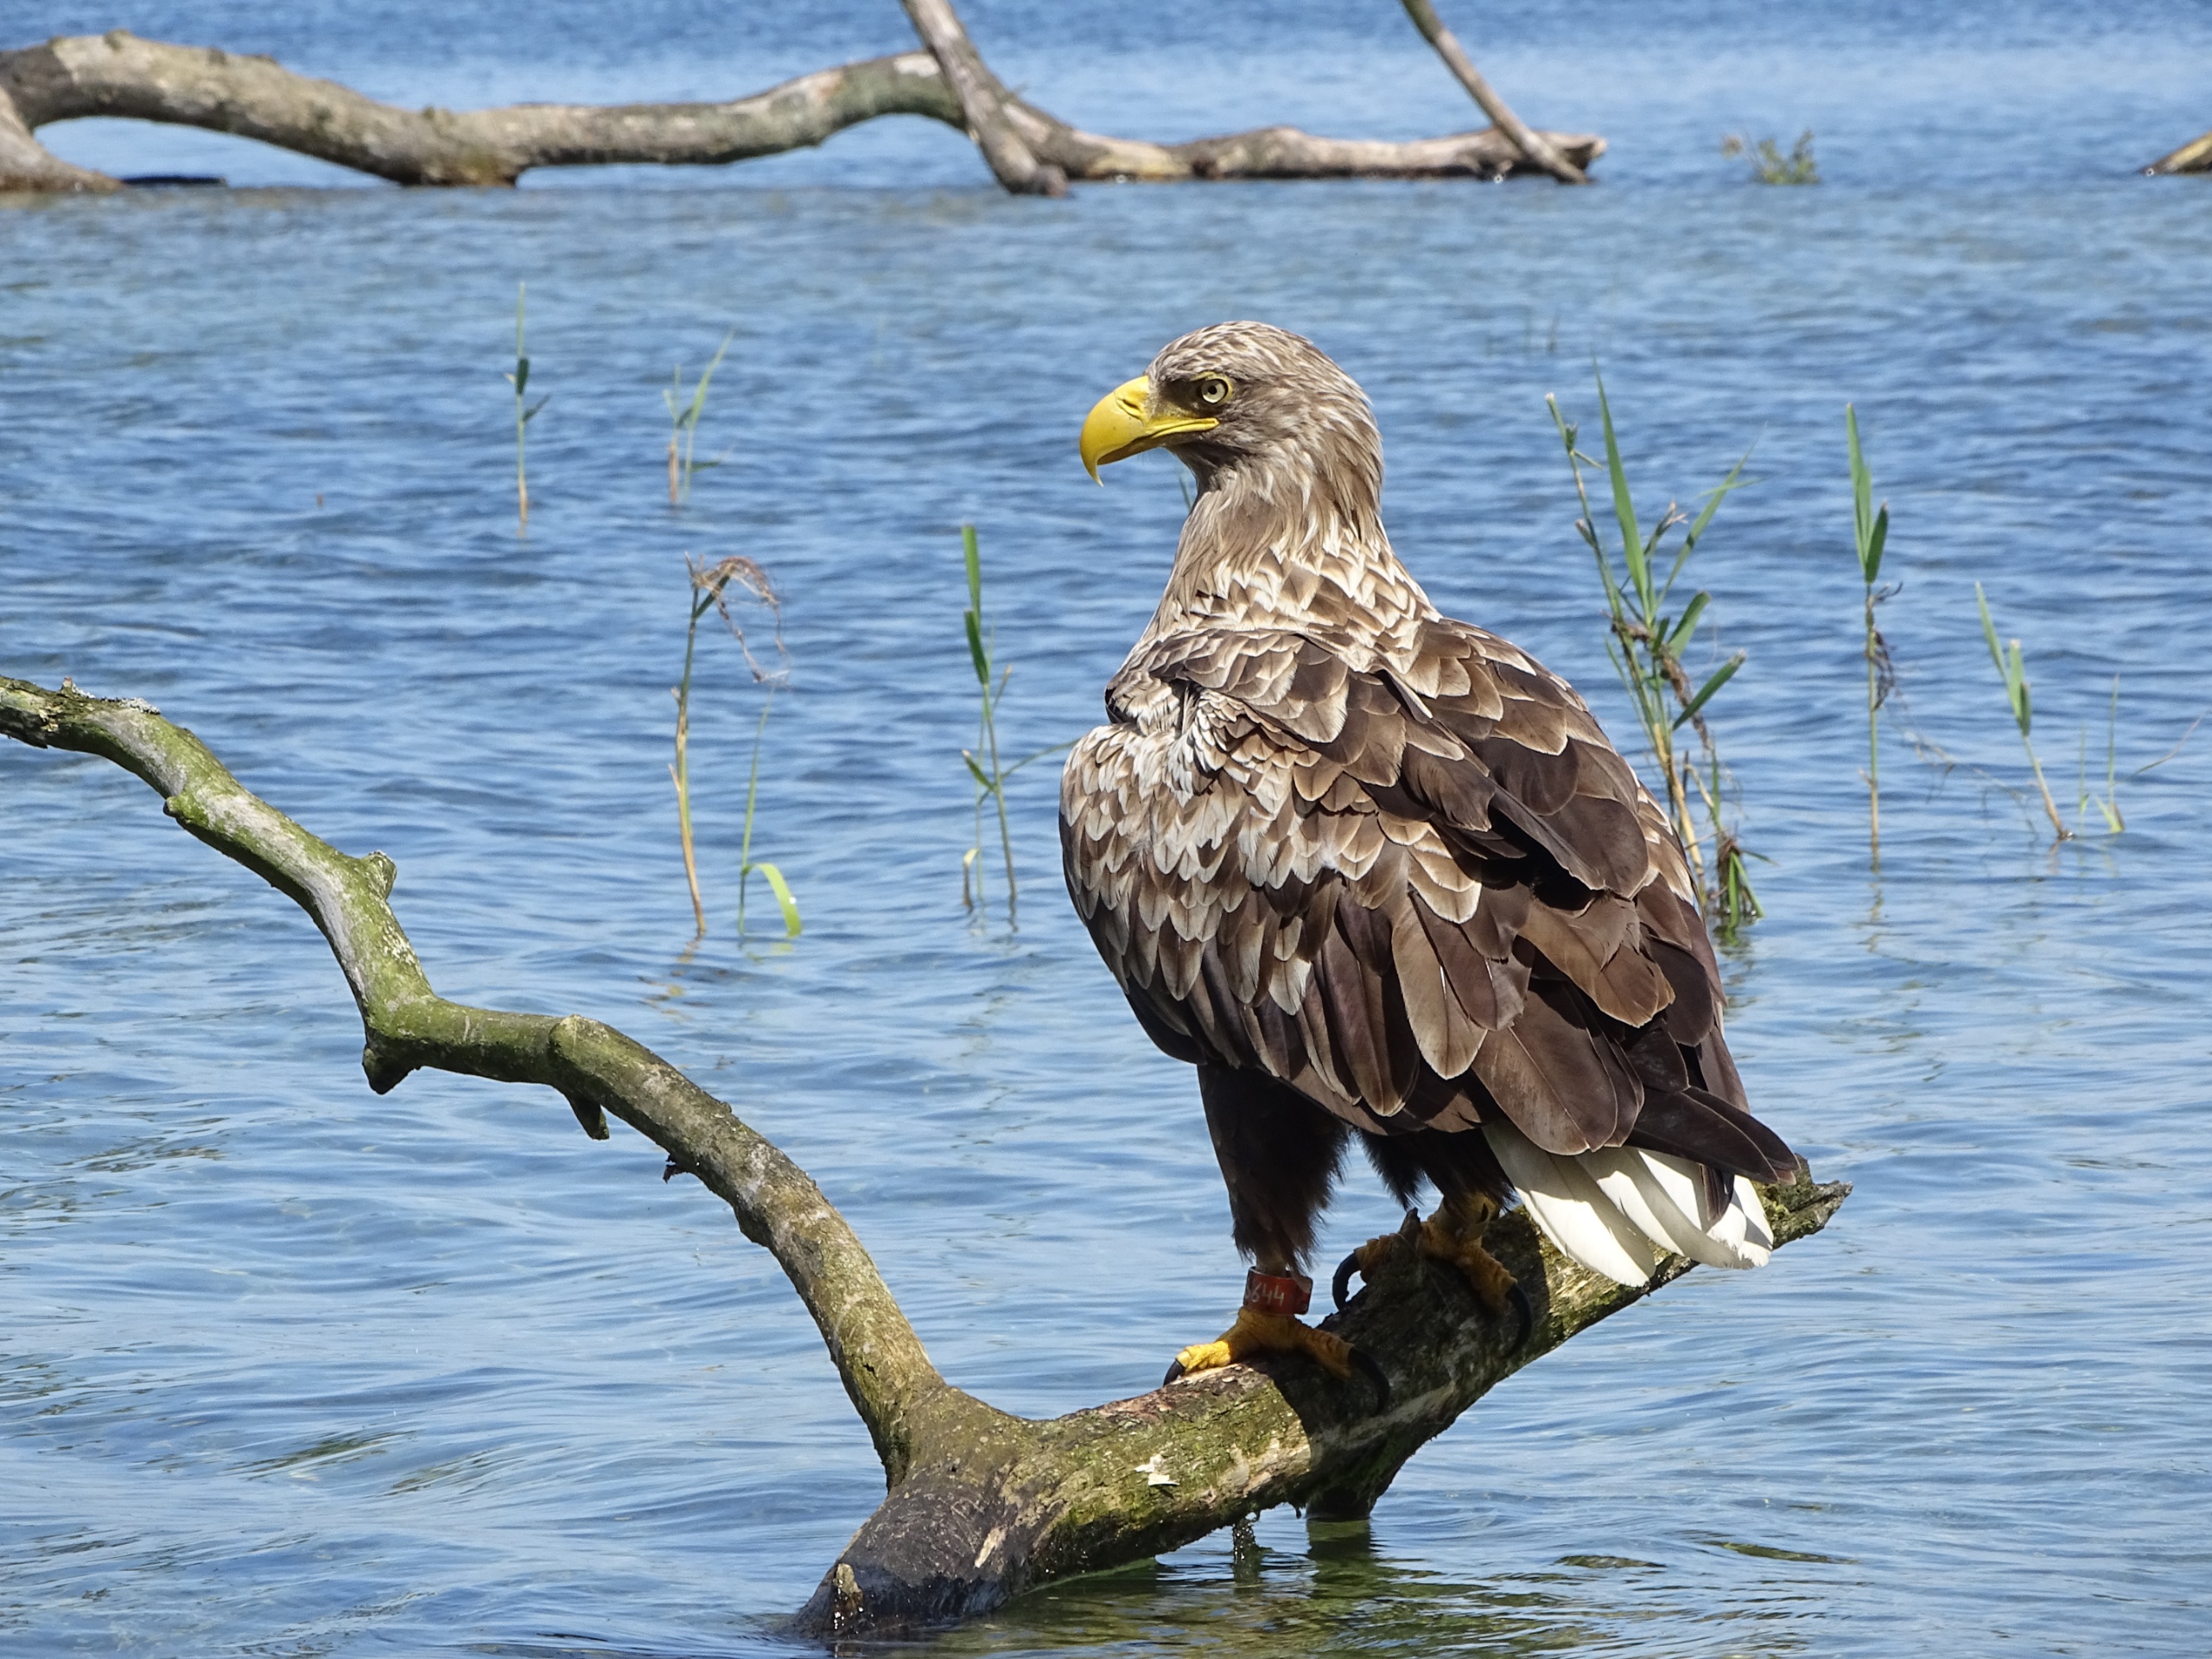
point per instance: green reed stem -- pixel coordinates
(1871, 534)
(1645, 647)
(990, 785)
(683, 417)
(2012, 670)
(681, 769)
(2110, 805)
(711, 586)
(747, 862)
(990, 779)
(523, 416)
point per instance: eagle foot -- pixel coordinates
(1452, 1236)
(1370, 1256)
(1258, 1332)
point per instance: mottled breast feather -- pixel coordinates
(1410, 878)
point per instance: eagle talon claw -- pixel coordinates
(1371, 1255)
(1340, 1286)
(1373, 1373)
(1448, 1240)
(1519, 1299)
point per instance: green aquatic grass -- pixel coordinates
(1871, 532)
(984, 769)
(519, 379)
(710, 591)
(2011, 669)
(1646, 640)
(1769, 165)
(684, 417)
(2108, 804)
(746, 863)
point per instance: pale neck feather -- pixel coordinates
(1269, 544)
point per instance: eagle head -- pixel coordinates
(1238, 396)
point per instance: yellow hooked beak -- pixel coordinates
(1130, 420)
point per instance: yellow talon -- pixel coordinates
(1203, 1356)
(1255, 1334)
(1458, 1239)
(1454, 1236)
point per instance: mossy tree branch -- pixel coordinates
(72, 77)
(980, 1504)
(408, 1026)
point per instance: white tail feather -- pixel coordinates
(1616, 1210)
(1662, 1201)
(1572, 1209)
(1664, 1197)
(1758, 1237)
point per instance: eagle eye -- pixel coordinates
(1212, 389)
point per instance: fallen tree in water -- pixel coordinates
(2195, 156)
(980, 1505)
(1029, 150)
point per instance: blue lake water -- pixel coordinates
(288, 1369)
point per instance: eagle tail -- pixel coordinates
(1616, 1210)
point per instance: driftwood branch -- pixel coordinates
(119, 75)
(1537, 148)
(980, 1505)
(982, 102)
(2195, 156)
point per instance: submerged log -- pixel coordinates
(74, 77)
(980, 1504)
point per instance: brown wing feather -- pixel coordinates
(1561, 1079)
(1421, 892)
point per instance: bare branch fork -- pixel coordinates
(1029, 150)
(1536, 148)
(983, 102)
(980, 1505)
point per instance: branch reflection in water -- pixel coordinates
(1327, 1587)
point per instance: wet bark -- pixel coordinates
(980, 1504)
(119, 75)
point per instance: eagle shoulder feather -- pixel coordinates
(1419, 886)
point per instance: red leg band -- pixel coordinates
(1278, 1293)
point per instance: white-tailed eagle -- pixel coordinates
(1378, 874)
